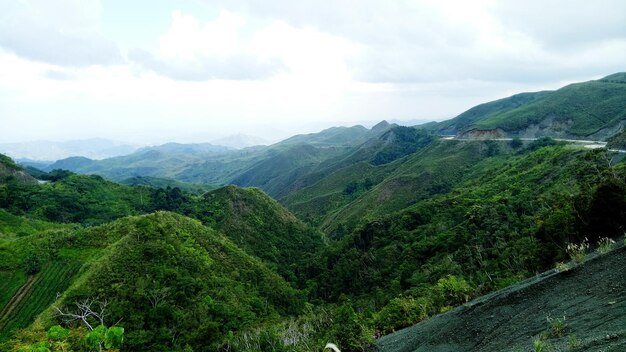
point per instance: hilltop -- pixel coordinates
(261, 226)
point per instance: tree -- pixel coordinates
(91, 313)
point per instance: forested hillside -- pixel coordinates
(352, 232)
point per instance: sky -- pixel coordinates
(194, 70)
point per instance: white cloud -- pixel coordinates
(192, 51)
(289, 62)
(60, 32)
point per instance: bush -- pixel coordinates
(402, 312)
(32, 264)
(453, 290)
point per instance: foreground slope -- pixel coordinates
(590, 297)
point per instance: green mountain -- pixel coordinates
(590, 110)
(170, 281)
(330, 137)
(261, 226)
(161, 161)
(277, 169)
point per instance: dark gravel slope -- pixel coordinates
(591, 297)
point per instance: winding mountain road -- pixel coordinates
(586, 143)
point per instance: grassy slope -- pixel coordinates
(577, 110)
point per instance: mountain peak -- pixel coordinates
(381, 125)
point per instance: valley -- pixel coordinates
(443, 236)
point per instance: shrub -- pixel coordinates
(557, 326)
(453, 290)
(605, 244)
(577, 251)
(561, 267)
(402, 312)
(32, 264)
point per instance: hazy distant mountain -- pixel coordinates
(240, 141)
(163, 161)
(93, 148)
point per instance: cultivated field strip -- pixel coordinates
(37, 295)
(10, 283)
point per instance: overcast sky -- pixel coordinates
(190, 71)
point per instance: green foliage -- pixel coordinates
(261, 226)
(401, 312)
(557, 326)
(573, 342)
(53, 278)
(349, 334)
(401, 141)
(453, 290)
(58, 333)
(605, 245)
(10, 282)
(541, 142)
(168, 276)
(96, 337)
(539, 345)
(617, 141)
(164, 183)
(516, 143)
(578, 252)
(32, 264)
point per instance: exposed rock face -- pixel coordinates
(483, 134)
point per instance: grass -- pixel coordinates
(53, 278)
(561, 267)
(605, 245)
(578, 251)
(557, 326)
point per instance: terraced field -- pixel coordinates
(34, 295)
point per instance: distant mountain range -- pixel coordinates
(240, 141)
(93, 148)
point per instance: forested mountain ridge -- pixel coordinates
(589, 110)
